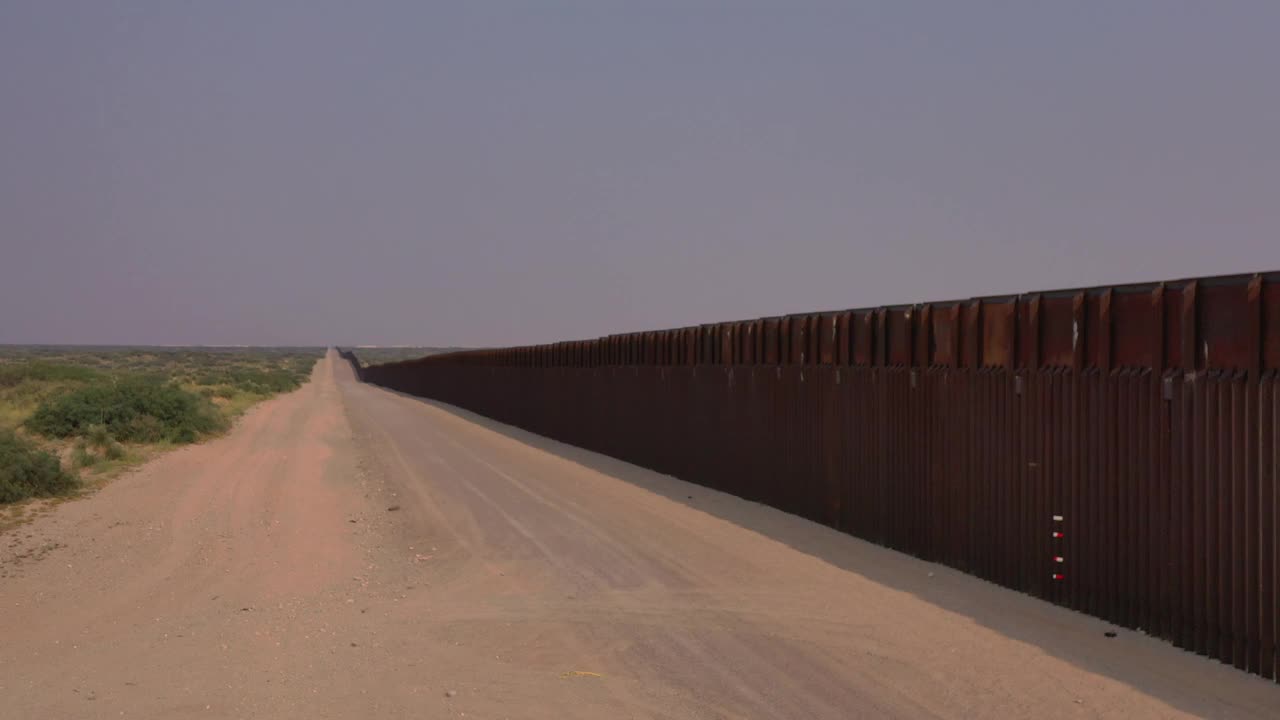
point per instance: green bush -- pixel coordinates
(81, 457)
(39, 370)
(26, 471)
(98, 436)
(253, 380)
(264, 382)
(144, 429)
(130, 409)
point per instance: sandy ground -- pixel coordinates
(265, 575)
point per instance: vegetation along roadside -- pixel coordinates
(72, 417)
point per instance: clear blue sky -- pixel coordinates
(492, 173)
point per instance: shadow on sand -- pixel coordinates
(1188, 682)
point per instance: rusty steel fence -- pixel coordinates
(1113, 450)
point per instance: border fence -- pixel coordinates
(1113, 449)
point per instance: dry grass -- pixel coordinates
(228, 381)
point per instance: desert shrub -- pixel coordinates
(264, 382)
(26, 471)
(113, 451)
(260, 381)
(98, 436)
(81, 457)
(123, 408)
(39, 370)
(144, 429)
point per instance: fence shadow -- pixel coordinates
(1190, 683)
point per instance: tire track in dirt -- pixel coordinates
(263, 574)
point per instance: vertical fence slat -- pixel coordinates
(1117, 456)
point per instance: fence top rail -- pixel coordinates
(1222, 322)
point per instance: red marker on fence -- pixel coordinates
(1057, 535)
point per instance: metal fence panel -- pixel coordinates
(1114, 450)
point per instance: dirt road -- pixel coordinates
(347, 552)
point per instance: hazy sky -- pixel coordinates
(488, 173)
